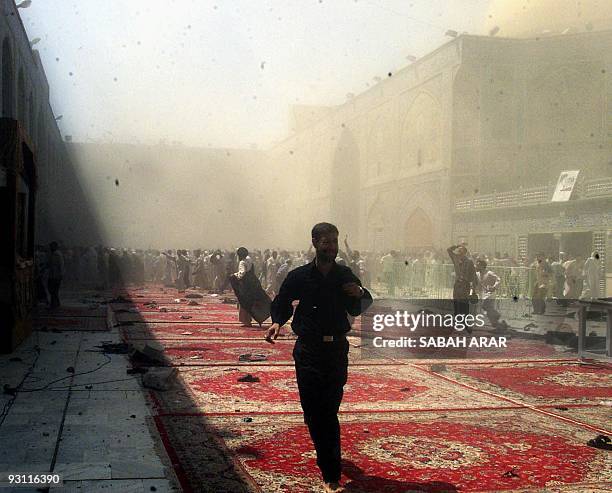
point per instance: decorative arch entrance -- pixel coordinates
(418, 231)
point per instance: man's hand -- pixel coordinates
(352, 289)
(273, 333)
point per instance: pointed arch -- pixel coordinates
(418, 230)
(422, 132)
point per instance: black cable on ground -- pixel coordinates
(46, 387)
(16, 390)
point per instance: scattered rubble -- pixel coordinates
(249, 378)
(160, 378)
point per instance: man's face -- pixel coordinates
(461, 251)
(327, 247)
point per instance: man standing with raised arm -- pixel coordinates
(327, 292)
(465, 278)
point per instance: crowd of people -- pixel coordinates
(426, 273)
(268, 282)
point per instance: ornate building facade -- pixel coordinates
(464, 144)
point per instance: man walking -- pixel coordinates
(326, 292)
(488, 282)
(466, 280)
(541, 284)
(56, 274)
(592, 277)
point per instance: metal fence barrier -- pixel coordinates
(436, 281)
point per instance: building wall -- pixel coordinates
(527, 109)
(477, 115)
(379, 163)
(24, 95)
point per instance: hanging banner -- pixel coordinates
(565, 186)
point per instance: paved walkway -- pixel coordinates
(77, 413)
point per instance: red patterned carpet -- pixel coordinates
(393, 453)
(516, 349)
(191, 331)
(183, 316)
(517, 420)
(220, 351)
(369, 389)
(542, 382)
(185, 305)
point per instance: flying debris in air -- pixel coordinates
(451, 33)
(494, 31)
(411, 58)
(25, 4)
(34, 41)
(59, 117)
(262, 64)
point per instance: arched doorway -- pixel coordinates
(345, 185)
(418, 231)
(8, 82)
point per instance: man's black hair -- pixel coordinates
(322, 229)
(242, 253)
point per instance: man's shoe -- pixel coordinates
(333, 487)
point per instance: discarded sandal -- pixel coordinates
(249, 378)
(601, 442)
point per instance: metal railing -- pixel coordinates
(436, 281)
(587, 189)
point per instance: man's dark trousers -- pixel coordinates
(322, 369)
(53, 285)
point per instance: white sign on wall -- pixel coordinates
(565, 186)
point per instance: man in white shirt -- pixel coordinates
(272, 266)
(245, 264)
(488, 282)
(387, 262)
(592, 276)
